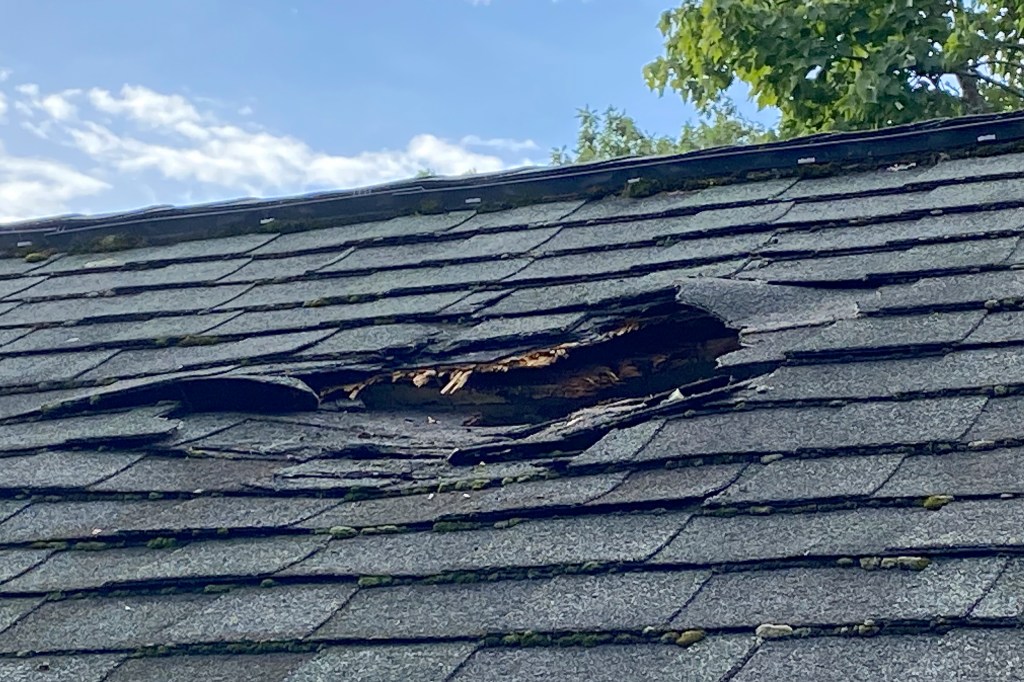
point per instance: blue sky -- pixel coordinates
(110, 105)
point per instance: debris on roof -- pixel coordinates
(755, 418)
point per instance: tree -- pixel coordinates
(614, 134)
(846, 64)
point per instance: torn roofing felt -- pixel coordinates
(734, 415)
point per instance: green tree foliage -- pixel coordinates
(614, 134)
(846, 64)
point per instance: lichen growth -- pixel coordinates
(773, 631)
(451, 526)
(198, 340)
(381, 530)
(162, 543)
(690, 637)
(315, 303)
(37, 256)
(216, 589)
(936, 501)
(374, 580)
(342, 532)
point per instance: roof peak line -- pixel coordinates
(501, 190)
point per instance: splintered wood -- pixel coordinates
(630, 360)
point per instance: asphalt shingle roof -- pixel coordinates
(172, 508)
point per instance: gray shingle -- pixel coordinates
(608, 234)
(665, 485)
(591, 294)
(349, 234)
(850, 183)
(130, 363)
(180, 300)
(888, 332)
(975, 656)
(209, 668)
(385, 663)
(31, 370)
(960, 473)
(799, 596)
(858, 208)
(578, 540)
(379, 283)
(12, 610)
(616, 206)
(10, 287)
(767, 347)
(202, 248)
(706, 661)
(848, 658)
(188, 474)
(736, 192)
(999, 328)
(973, 168)
(304, 318)
(1001, 419)
(114, 623)
(815, 428)
(244, 557)
(90, 668)
(986, 367)
(10, 335)
(375, 339)
(791, 480)
(498, 245)
(1006, 598)
(742, 538)
(138, 426)
(975, 194)
(9, 508)
(435, 611)
(82, 336)
(82, 520)
(239, 558)
(21, 404)
(759, 306)
(642, 258)
(615, 601)
(63, 469)
(504, 330)
(290, 266)
(919, 259)
(558, 492)
(80, 570)
(166, 276)
(235, 512)
(261, 614)
(966, 524)
(385, 511)
(619, 445)
(534, 214)
(14, 562)
(907, 231)
(966, 290)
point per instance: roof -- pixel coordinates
(691, 429)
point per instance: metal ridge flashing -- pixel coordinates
(530, 185)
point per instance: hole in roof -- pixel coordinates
(656, 352)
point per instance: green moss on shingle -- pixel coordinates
(936, 501)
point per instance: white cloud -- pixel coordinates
(3, 105)
(129, 135)
(503, 143)
(4, 74)
(35, 187)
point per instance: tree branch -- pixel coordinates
(1013, 90)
